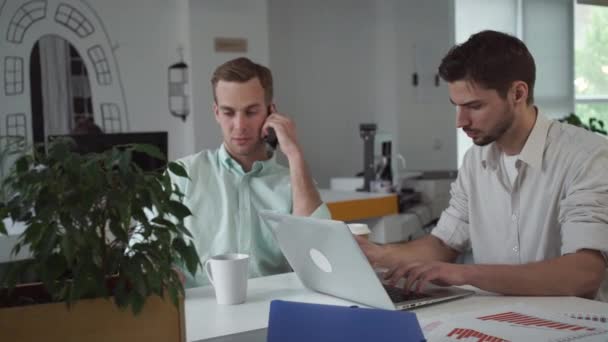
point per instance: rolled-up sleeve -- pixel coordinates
(584, 210)
(453, 225)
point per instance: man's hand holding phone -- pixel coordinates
(306, 198)
(284, 131)
(271, 136)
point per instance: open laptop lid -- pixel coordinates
(327, 259)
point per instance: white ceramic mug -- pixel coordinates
(228, 274)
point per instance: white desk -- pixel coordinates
(205, 320)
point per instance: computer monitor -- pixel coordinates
(97, 143)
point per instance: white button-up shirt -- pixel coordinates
(558, 203)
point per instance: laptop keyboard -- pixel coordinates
(397, 294)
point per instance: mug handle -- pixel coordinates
(207, 268)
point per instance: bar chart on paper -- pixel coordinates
(517, 318)
(588, 317)
(513, 323)
(462, 334)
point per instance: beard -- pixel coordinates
(498, 130)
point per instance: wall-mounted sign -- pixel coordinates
(230, 44)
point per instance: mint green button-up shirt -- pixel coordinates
(225, 201)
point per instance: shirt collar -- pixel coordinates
(531, 153)
(489, 156)
(231, 164)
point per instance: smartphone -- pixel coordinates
(271, 137)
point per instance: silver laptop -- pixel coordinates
(327, 259)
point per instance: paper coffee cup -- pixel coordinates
(360, 229)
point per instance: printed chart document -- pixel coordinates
(589, 317)
(512, 323)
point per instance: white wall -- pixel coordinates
(220, 18)
(322, 57)
(341, 63)
(546, 26)
(472, 16)
(425, 32)
(548, 31)
(145, 34)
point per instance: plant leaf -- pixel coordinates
(150, 150)
(137, 302)
(22, 165)
(178, 169)
(59, 149)
(67, 249)
(194, 261)
(119, 231)
(125, 161)
(179, 209)
(174, 292)
(136, 277)
(182, 229)
(188, 254)
(2, 226)
(120, 293)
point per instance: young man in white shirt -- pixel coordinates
(531, 198)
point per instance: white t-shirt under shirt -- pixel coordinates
(509, 164)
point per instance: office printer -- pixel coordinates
(418, 217)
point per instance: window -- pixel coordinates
(82, 103)
(16, 125)
(100, 63)
(13, 75)
(591, 63)
(23, 18)
(110, 117)
(74, 20)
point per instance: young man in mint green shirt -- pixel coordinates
(230, 185)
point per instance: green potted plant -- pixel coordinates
(97, 226)
(595, 125)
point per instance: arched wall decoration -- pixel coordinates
(24, 17)
(22, 24)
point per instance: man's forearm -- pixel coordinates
(578, 274)
(306, 198)
(428, 248)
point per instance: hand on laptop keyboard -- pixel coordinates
(398, 294)
(418, 274)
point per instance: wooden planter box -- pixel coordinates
(94, 320)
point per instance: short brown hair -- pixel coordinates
(493, 60)
(242, 70)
